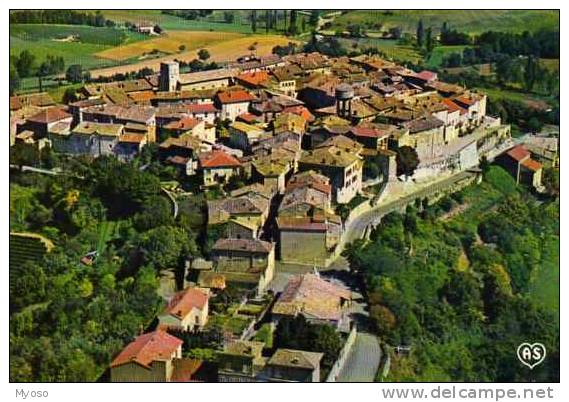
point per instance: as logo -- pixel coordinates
(531, 354)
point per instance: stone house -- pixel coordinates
(88, 138)
(187, 310)
(41, 122)
(246, 261)
(344, 170)
(191, 126)
(204, 111)
(243, 135)
(240, 361)
(244, 215)
(290, 365)
(318, 300)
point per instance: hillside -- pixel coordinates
(471, 21)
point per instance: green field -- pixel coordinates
(170, 22)
(390, 47)
(471, 21)
(439, 52)
(43, 40)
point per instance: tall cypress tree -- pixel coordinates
(254, 21)
(420, 33)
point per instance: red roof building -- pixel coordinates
(184, 124)
(201, 108)
(218, 159)
(147, 348)
(301, 111)
(254, 79)
(519, 153)
(183, 302)
(238, 96)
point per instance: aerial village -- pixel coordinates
(303, 132)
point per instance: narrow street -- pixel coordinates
(364, 359)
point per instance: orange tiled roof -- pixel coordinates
(183, 302)
(518, 153)
(532, 164)
(185, 123)
(235, 96)
(255, 78)
(145, 349)
(218, 159)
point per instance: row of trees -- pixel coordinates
(71, 17)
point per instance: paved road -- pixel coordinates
(363, 361)
(357, 227)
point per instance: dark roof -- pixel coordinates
(250, 245)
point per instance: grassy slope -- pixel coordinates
(471, 21)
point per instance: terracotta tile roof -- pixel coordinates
(185, 123)
(519, 153)
(465, 100)
(532, 164)
(216, 159)
(249, 118)
(238, 96)
(255, 78)
(185, 301)
(249, 245)
(301, 111)
(330, 156)
(426, 75)
(361, 131)
(50, 115)
(145, 349)
(201, 108)
(452, 107)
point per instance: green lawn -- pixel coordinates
(471, 21)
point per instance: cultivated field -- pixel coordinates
(77, 44)
(169, 43)
(471, 21)
(172, 22)
(228, 50)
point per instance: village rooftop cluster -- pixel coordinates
(299, 131)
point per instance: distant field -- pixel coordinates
(171, 22)
(168, 43)
(471, 21)
(390, 47)
(43, 40)
(228, 50)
